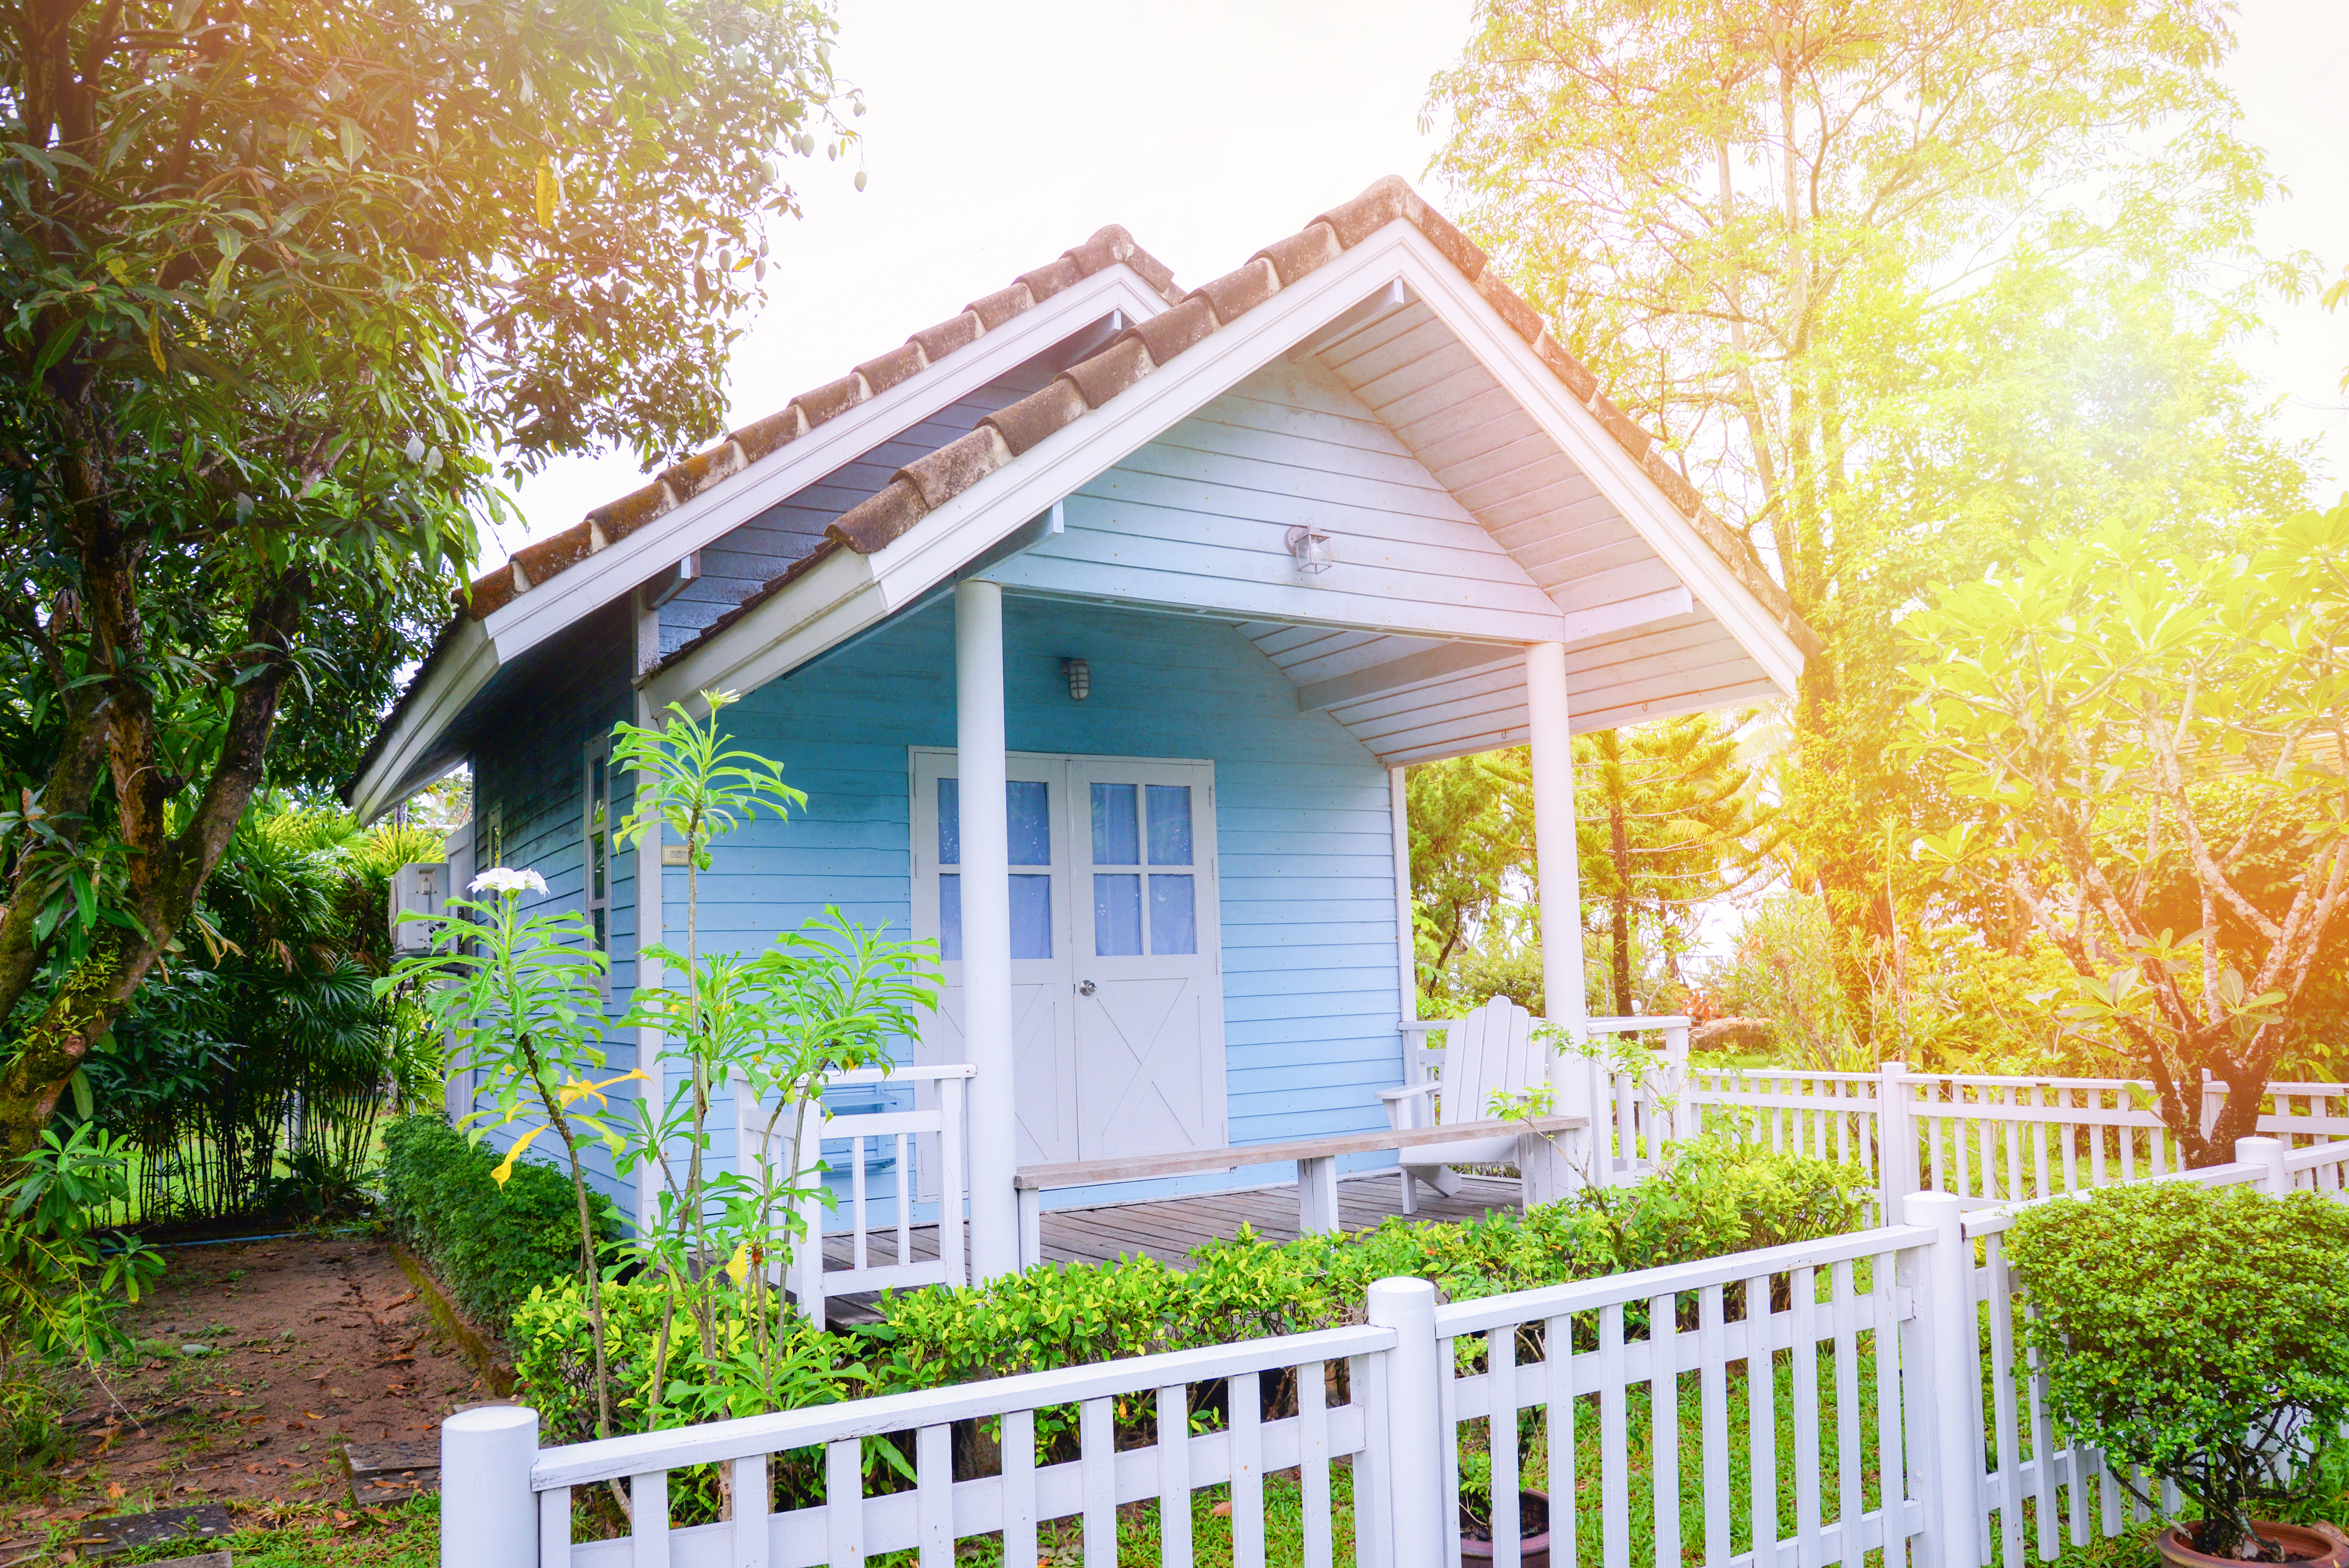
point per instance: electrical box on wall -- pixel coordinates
(420, 887)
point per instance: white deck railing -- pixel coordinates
(934, 1137)
(1867, 1354)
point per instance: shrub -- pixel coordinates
(551, 1358)
(491, 1245)
(2195, 1331)
(1713, 1199)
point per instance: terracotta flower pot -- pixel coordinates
(1533, 1532)
(2311, 1546)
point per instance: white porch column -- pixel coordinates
(986, 927)
(1559, 894)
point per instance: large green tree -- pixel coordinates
(2152, 749)
(1902, 285)
(284, 286)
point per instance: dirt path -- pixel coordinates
(299, 1346)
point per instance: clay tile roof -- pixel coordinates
(534, 563)
(926, 484)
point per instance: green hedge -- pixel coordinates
(491, 1245)
(1713, 1199)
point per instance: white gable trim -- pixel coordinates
(829, 605)
(702, 519)
(480, 647)
(462, 669)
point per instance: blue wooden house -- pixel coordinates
(1170, 585)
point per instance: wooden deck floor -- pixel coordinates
(1169, 1228)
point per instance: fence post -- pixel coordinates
(1414, 1467)
(1685, 1121)
(2266, 1153)
(1951, 1374)
(2214, 1098)
(1897, 1174)
(489, 1517)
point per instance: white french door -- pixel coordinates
(1117, 997)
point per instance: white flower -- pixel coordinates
(507, 878)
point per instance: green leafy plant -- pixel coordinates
(64, 1276)
(2196, 1333)
(2089, 703)
(826, 999)
(524, 995)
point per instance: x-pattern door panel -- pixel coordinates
(1117, 996)
(1149, 1009)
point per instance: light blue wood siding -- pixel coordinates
(1200, 517)
(529, 771)
(1307, 869)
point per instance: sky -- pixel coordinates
(996, 139)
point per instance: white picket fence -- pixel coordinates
(1988, 1139)
(1863, 1356)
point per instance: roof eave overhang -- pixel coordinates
(848, 592)
(406, 759)
(458, 672)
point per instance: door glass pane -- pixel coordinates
(1170, 825)
(1173, 914)
(1117, 838)
(1117, 912)
(950, 824)
(1031, 916)
(1028, 806)
(950, 916)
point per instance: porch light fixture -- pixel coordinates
(1080, 678)
(1310, 550)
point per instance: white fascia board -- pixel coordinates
(450, 682)
(833, 601)
(943, 542)
(702, 519)
(1579, 434)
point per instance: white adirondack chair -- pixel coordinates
(1491, 1049)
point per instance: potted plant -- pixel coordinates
(1476, 1516)
(2199, 1335)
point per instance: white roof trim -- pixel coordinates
(702, 519)
(808, 616)
(463, 668)
(530, 618)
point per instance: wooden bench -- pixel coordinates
(1316, 1157)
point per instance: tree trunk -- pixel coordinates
(1620, 850)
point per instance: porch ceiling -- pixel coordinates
(1414, 699)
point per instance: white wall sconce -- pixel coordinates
(1080, 677)
(1312, 551)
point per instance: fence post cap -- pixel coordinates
(1931, 1208)
(491, 1419)
(2260, 1143)
(1400, 1298)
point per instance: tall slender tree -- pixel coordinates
(1667, 819)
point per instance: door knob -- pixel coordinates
(1085, 987)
